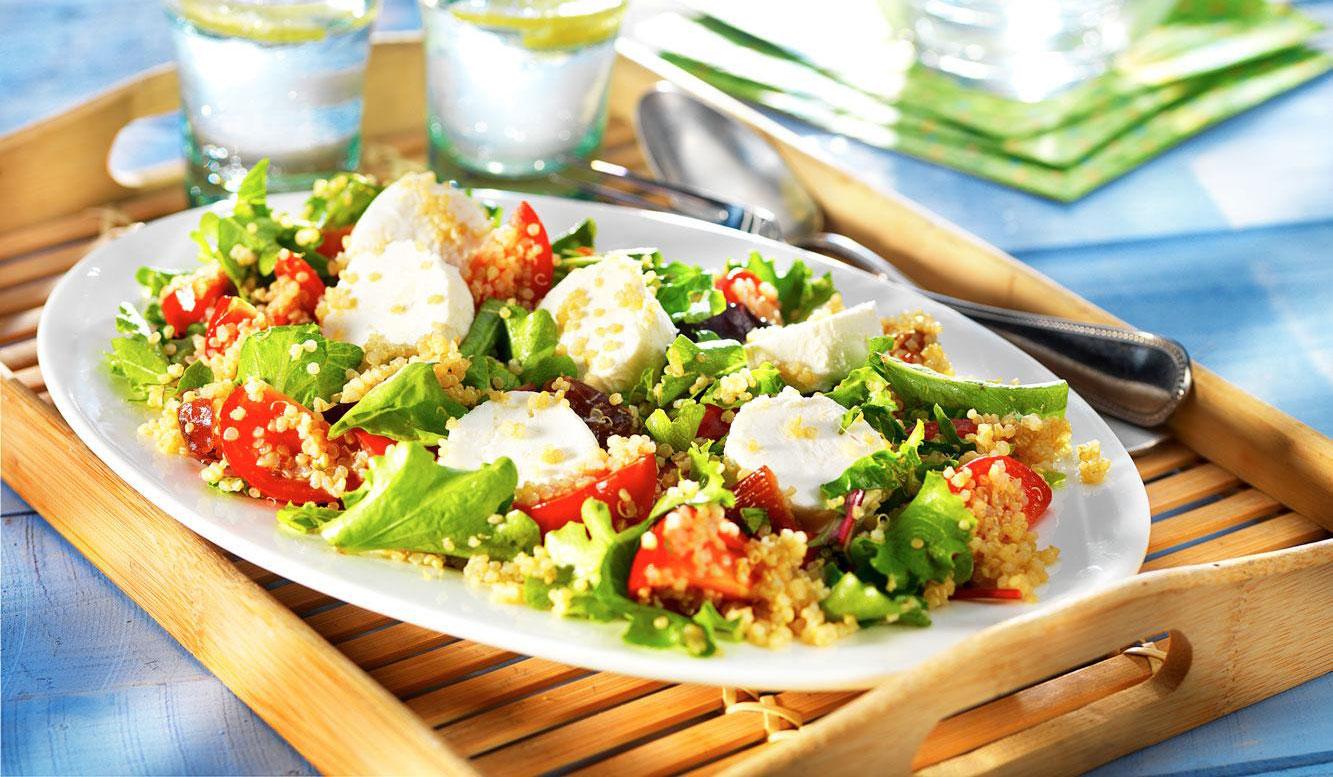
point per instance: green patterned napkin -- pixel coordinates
(1196, 70)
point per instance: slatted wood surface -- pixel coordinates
(515, 715)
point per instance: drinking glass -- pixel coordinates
(280, 79)
(1025, 49)
(515, 87)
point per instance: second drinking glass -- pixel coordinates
(515, 87)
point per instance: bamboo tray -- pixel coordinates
(1236, 598)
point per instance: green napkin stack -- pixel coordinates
(1210, 60)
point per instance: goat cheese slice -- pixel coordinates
(814, 355)
(799, 439)
(610, 322)
(546, 440)
(400, 294)
(439, 217)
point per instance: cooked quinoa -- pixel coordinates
(667, 435)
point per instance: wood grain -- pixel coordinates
(279, 666)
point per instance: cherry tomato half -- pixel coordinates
(188, 300)
(310, 289)
(1036, 491)
(332, 244)
(638, 480)
(712, 427)
(685, 547)
(520, 254)
(224, 328)
(255, 436)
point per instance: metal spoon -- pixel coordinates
(1136, 376)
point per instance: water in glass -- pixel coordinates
(280, 79)
(516, 86)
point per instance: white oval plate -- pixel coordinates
(1102, 531)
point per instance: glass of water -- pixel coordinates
(514, 87)
(1024, 49)
(280, 79)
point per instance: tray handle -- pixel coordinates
(1234, 640)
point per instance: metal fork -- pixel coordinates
(612, 183)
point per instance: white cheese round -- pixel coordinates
(799, 439)
(546, 440)
(440, 218)
(401, 294)
(610, 322)
(815, 355)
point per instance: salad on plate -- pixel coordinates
(611, 435)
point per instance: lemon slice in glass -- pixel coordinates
(549, 25)
(298, 22)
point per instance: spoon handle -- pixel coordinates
(1136, 376)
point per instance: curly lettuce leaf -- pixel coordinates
(706, 485)
(691, 367)
(922, 387)
(687, 292)
(895, 471)
(409, 502)
(866, 391)
(409, 407)
(765, 381)
(677, 428)
(278, 356)
(926, 542)
(799, 292)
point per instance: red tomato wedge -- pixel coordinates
(760, 489)
(224, 328)
(332, 244)
(687, 548)
(726, 284)
(987, 593)
(514, 260)
(245, 447)
(637, 480)
(1036, 491)
(188, 300)
(712, 427)
(310, 289)
(374, 444)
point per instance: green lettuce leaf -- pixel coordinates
(799, 292)
(533, 338)
(409, 502)
(306, 518)
(678, 428)
(927, 541)
(196, 375)
(577, 241)
(922, 387)
(136, 365)
(865, 602)
(129, 321)
(277, 356)
(409, 407)
(340, 201)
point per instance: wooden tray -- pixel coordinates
(1236, 597)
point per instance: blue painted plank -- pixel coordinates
(92, 685)
(1252, 305)
(1290, 733)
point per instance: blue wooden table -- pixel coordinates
(1225, 243)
